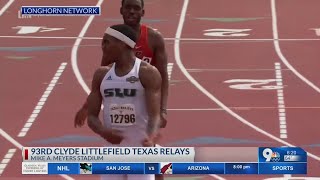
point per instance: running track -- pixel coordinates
(46, 77)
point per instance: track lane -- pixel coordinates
(29, 74)
(242, 63)
(228, 14)
(37, 73)
(303, 56)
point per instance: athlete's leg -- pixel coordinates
(158, 176)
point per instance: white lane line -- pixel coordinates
(213, 98)
(288, 176)
(200, 109)
(217, 177)
(177, 51)
(74, 58)
(281, 102)
(206, 70)
(278, 49)
(237, 108)
(294, 178)
(5, 161)
(170, 68)
(42, 101)
(5, 7)
(316, 30)
(243, 108)
(18, 145)
(167, 39)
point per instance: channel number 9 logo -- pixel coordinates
(270, 155)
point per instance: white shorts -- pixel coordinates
(129, 176)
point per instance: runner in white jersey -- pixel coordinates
(130, 91)
(125, 107)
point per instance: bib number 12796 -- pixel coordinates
(123, 118)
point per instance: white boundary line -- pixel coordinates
(219, 70)
(278, 49)
(213, 98)
(239, 108)
(18, 145)
(294, 178)
(167, 39)
(42, 101)
(51, 37)
(6, 6)
(5, 161)
(74, 60)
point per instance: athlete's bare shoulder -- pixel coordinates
(154, 33)
(145, 66)
(155, 37)
(149, 74)
(100, 73)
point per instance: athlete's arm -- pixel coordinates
(94, 106)
(161, 64)
(81, 115)
(94, 103)
(151, 81)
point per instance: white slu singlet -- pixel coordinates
(125, 105)
(125, 109)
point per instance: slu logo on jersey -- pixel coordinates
(118, 92)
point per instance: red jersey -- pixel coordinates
(142, 48)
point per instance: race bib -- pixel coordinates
(147, 59)
(122, 115)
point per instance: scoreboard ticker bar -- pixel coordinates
(162, 168)
(163, 160)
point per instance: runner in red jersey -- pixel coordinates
(142, 48)
(150, 47)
